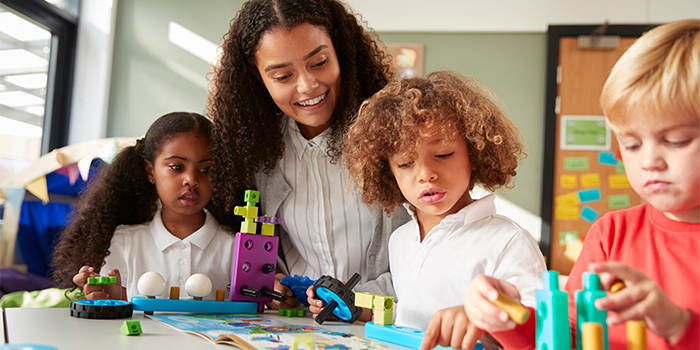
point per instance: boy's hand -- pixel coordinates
(451, 328)
(479, 308)
(95, 291)
(279, 287)
(642, 299)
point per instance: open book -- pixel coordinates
(254, 332)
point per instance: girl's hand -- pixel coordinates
(479, 308)
(95, 291)
(451, 328)
(641, 299)
(279, 287)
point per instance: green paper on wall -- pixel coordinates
(568, 237)
(620, 168)
(618, 201)
(576, 163)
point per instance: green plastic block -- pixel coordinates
(383, 303)
(308, 341)
(586, 310)
(102, 280)
(364, 300)
(383, 318)
(251, 197)
(131, 328)
(292, 312)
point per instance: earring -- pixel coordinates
(151, 181)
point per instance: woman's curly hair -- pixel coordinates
(247, 123)
(391, 122)
(120, 194)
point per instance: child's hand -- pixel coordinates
(94, 291)
(279, 287)
(479, 308)
(316, 305)
(642, 299)
(451, 328)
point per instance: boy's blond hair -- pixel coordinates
(393, 120)
(660, 72)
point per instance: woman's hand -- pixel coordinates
(279, 287)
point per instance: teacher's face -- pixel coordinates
(300, 70)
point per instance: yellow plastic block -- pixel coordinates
(517, 312)
(247, 211)
(364, 300)
(383, 318)
(248, 227)
(592, 336)
(268, 230)
(383, 303)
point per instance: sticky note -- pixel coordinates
(566, 212)
(589, 195)
(618, 181)
(607, 158)
(576, 163)
(567, 199)
(568, 237)
(618, 201)
(568, 181)
(588, 214)
(590, 180)
(620, 168)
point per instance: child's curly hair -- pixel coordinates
(247, 132)
(391, 122)
(120, 194)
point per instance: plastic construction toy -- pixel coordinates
(101, 309)
(254, 257)
(298, 285)
(26, 347)
(404, 336)
(292, 312)
(383, 307)
(152, 284)
(102, 280)
(131, 328)
(517, 312)
(337, 298)
(553, 330)
(586, 310)
(592, 336)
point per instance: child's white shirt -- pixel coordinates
(434, 274)
(137, 249)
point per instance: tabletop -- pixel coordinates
(55, 327)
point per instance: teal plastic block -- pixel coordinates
(553, 331)
(404, 336)
(200, 306)
(131, 328)
(586, 310)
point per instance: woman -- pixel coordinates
(291, 77)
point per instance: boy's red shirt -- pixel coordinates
(666, 251)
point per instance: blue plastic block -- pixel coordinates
(404, 336)
(586, 310)
(202, 306)
(298, 285)
(553, 331)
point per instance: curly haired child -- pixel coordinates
(651, 101)
(289, 82)
(145, 212)
(425, 143)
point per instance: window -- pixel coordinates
(37, 54)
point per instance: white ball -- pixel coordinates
(151, 284)
(198, 285)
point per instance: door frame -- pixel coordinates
(554, 34)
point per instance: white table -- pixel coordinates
(55, 327)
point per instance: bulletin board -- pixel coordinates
(406, 59)
(583, 175)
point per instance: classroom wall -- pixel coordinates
(151, 76)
